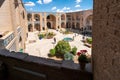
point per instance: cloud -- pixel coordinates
(58, 10)
(39, 1)
(54, 8)
(30, 4)
(74, 10)
(64, 9)
(47, 1)
(79, 10)
(77, 6)
(69, 11)
(78, 1)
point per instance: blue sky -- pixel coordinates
(58, 5)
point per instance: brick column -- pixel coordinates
(60, 21)
(33, 21)
(41, 21)
(45, 21)
(56, 21)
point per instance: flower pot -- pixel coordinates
(82, 65)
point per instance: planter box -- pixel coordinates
(88, 45)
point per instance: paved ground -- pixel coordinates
(41, 47)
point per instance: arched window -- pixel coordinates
(1, 2)
(20, 39)
(48, 17)
(23, 15)
(16, 3)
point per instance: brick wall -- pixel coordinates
(5, 16)
(106, 40)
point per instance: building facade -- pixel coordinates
(13, 25)
(45, 20)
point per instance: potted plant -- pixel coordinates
(82, 58)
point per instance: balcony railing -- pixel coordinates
(36, 22)
(5, 40)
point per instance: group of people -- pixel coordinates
(83, 37)
(74, 36)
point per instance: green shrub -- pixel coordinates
(67, 32)
(68, 56)
(41, 35)
(50, 35)
(62, 47)
(89, 40)
(74, 50)
(52, 52)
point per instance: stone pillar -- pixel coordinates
(65, 20)
(57, 15)
(60, 20)
(45, 21)
(33, 22)
(75, 20)
(41, 20)
(106, 40)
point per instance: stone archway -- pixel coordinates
(73, 25)
(30, 28)
(29, 17)
(37, 17)
(68, 25)
(63, 25)
(89, 22)
(51, 21)
(77, 25)
(63, 17)
(49, 25)
(37, 27)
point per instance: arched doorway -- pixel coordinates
(77, 25)
(62, 17)
(51, 21)
(30, 28)
(37, 27)
(89, 22)
(63, 25)
(49, 25)
(29, 17)
(37, 17)
(68, 25)
(73, 25)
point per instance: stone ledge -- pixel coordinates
(59, 69)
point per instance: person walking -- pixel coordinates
(83, 38)
(54, 40)
(73, 38)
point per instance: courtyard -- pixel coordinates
(41, 47)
